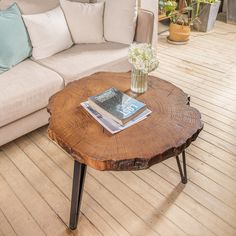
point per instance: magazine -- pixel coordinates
(109, 124)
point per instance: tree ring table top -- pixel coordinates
(171, 127)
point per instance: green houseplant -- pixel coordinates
(182, 20)
(161, 4)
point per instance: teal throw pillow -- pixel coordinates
(14, 41)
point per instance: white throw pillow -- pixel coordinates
(85, 21)
(120, 20)
(49, 33)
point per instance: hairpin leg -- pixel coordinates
(77, 192)
(182, 171)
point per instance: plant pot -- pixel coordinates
(207, 16)
(179, 33)
(231, 11)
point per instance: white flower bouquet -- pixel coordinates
(143, 57)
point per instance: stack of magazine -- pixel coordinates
(116, 111)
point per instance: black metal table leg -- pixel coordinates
(77, 192)
(183, 172)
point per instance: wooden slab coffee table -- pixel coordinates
(166, 133)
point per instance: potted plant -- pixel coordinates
(181, 21)
(208, 10)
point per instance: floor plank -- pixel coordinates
(5, 226)
(147, 213)
(43, 185)
(36, 175)
(16, 212)
(158, 201)
(63, 182)
(35, 204)
(206, 217)
(101, 195)
(207, 197)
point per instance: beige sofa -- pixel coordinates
(26, 88)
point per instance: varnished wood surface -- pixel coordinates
(36, 175)
(171, 127)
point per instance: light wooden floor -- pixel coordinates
(35, 175)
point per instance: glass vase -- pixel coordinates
(139, 81)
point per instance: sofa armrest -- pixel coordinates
(145, 27)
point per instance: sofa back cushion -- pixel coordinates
(85, 21)
(120, 20)
(33, 6)
(48, 32)
(14, 41)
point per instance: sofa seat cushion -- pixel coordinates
(25, 89)
(85, 59)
